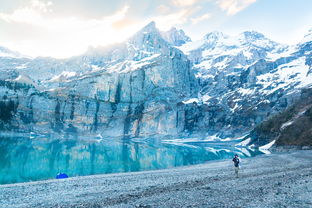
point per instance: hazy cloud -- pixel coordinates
(184, 3)
(203, 17)
(165, 22)
(163, 9)
(64, 36)
(31, 14)
(234, 6)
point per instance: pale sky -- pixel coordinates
(63, 28)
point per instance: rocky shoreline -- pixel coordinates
(275, 180)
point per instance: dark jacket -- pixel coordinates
(236, 161)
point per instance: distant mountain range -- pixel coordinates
(156, 83)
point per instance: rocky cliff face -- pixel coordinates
(218, 85)
(131, 89)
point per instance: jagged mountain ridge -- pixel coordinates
(5, 52)
(245, 79)
(147, 85)
(176, 37)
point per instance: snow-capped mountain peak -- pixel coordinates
(5, 52)
(214, 36)
(147, 36)
(307, 37)
(217, 40)
(219, 51)
(252, 35)
(258, 40)
(175, 37)
(149, 28)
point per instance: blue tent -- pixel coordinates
(61, 175)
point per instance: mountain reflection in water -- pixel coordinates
(30, 159)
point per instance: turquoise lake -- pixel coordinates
(24, 159)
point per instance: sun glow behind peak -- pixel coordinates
(62, 37)
(64, 28)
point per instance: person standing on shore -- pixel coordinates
(236, 164)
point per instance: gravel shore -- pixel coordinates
(275, 180)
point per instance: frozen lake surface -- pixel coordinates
(24, 159)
